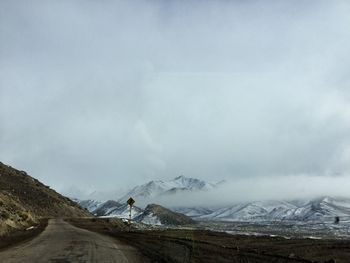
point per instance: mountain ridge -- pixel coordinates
(317, 209)
(314, 209)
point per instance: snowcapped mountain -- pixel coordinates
(179, 184)
(154, 214)
(325, 208)
(254, 211)
(319, 209)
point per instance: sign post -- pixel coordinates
(130, 202)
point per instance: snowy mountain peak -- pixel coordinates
(179, 184)
(188, 182)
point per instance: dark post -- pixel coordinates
(336, 220)
(130, 202)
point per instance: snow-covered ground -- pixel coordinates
(290, 229)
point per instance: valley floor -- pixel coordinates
(181, 245)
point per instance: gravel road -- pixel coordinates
(62, 242)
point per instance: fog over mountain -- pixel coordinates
(106, 95)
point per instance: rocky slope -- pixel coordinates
(24, 200)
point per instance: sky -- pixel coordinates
(104, 95)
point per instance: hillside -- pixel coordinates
(159, 215)
(24, 200)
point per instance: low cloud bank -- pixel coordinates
(261, 189)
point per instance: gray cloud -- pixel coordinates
(106, 94)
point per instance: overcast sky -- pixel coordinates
(109, 94)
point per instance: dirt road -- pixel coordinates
(62, 242)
